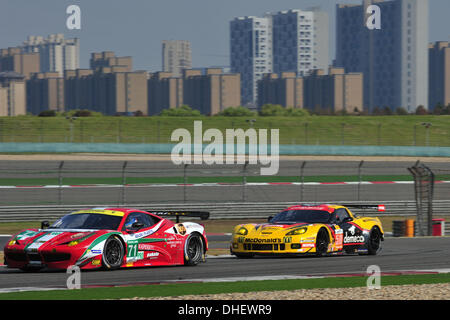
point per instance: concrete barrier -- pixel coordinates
(166, 148)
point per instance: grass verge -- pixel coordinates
(166, 290)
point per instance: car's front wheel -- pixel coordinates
(322, 241)
(113, 253)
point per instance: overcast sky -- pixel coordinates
(137, 27)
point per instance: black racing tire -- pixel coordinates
(373, 242)
(322, 241)
(194, 251)
(113, 253)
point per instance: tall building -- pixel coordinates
(251, 53)
(176, 56)
(287, 41)
(394, 59)
(164, 92)
(14, 60)
(56, 53)
(109, 59)
(212, 92)
(285, 90)
(109, 89)
(334, 92)
(45, 91)
(300, 41)
(12, 94)
(439, 64)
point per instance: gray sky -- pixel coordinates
(137, 27)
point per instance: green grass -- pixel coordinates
(165, 290)
(311, 130)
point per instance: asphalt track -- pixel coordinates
(398, 254)
(252, 193)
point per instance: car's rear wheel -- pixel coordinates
(193, 250)
(113, 253)
(373, 242)
(322, 241)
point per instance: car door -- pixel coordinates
(146, 244)
(353, 235)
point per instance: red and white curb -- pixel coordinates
(219, 184)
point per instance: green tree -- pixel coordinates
(183, 111)
(237, 112)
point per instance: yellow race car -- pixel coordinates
(310, 229)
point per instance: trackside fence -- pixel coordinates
(225, 210)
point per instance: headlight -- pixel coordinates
(297, 232)
(242, 231)
(74, 243)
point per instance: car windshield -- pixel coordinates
(296, 216)
(88, 221)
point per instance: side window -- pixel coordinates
(139, 217)
(341, 214)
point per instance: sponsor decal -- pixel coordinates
(152, 254)
(181, 229)
(353, 239)
(269, 240)
(145, 247)
(287, 239)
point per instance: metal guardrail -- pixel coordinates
(224, 210)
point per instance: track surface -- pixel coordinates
(398, 254)
(272, 193)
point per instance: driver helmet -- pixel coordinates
(129, 224)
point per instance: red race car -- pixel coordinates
(110, 238)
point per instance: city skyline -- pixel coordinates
(109, 27)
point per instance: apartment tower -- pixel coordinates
(176, 56)
(394, 59)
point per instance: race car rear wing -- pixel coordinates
(378, 207)
(198, 214)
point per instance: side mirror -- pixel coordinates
(269, 218)
(347, 219)
(45, 224)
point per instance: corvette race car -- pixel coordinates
(110, 238)
(310, 229)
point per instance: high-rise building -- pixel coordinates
(285, 90)
(164, 92)
(251, 53)
(176, 56)
(14, 60)
(45, 91)
(300, 41)
(394, 59)
(439, 74)
(12, 94)
(334, 92)
(110, 89)
(56, 53)
(287, 41)
(109, 59)
(212, 92)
